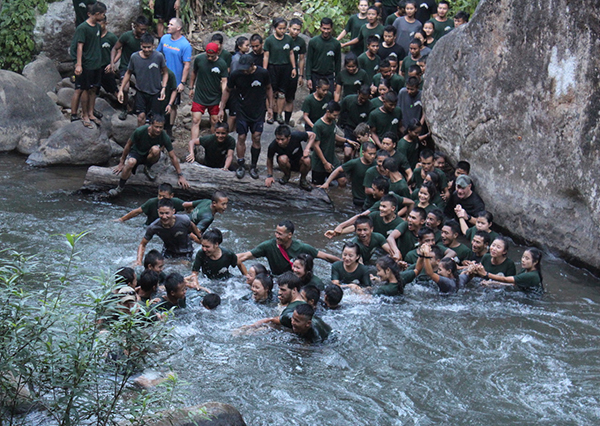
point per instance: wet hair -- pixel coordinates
(464, 165)
(364, 219)
(450, 265)
(308, 263)
(147, 38)
(333, 106)
(386, 262)
(412, 82)
(97, 7)
(352, 246)
(453, 225)
(385, 82)
(487, 215)
(148, 280)
(437, 251)
(349, 59)
(392, 136)
(165, 187)
(421, 212)
(390, 29)
(222, 125)
(391, 165)
(368, 144)
(218, 37)
(305, 310)
(361, 130)
(213, 236)
(486, 237)
(256, 37)
(334, 294)
(382, 184)
(326, 21)
(157, 118)
(413, 125)
(172, 282)
(266, 281)
(152, 258)
(218, 195)
(125, 275)
(312, 294)
(416, 41)
(290, 280)
(391, 97)
(296, 21)
(288, 225)
(383, 153)
(462, 15)
(372, 39)
(211, 301)
(259, 268)
(283, 130)
(239, 42)
(166, 202)
(277, 21)
(425, 154)
(536, 257)
(499, 238)
(390, 199)
(425, 230)
(141, 20)
(322, 82)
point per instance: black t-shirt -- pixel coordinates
(293, 150)
(425, 10)
(396, 50)
(258, 59)
(251, 91)
(473, 204)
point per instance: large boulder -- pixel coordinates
(516, 92)
(43, 73)
(73, 144)
(25, 110)
(54, 30)
(121, 130)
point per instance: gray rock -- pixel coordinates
(52, 97)
(57, 125)
(515, 92)
(54, 30)
(65, 82)
(25, 109)
(73, 144)
(43, 73)
(105, 108)
(122, 130)
(116, 149)
(64, 96)
(209, 414)
(29, 142)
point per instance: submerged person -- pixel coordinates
(150, 207)
(212, 259)
(497, 261)
(311, 295)
(529, 280)
(303, 268)
(306, 325)
(348, 272)
(262, 288)
(446, 277)
(253, 271)
(175, 297)
(333, 296)
(204, 211)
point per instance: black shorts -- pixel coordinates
(319, 178)
(280, 77)
(146, 103)
(316, 77)
(141, 159)
(290, 93)
(88, 79)
(108, 82)
(294, 163)
(164, 10)
(231, 105)
(242, 126)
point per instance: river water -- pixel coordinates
(478, 357)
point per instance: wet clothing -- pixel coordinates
(381, 227)
(506, 268)
(176, 240)
(165, 305)
(277, 262)
(215, 269)
(366, 252)
(389, 289)
(462, 252)
(325, 134)
(529, 282)
(150, 208)
(318, 332)
(285, 318)
(473, 229)
(360, 275)
(202, 215)
(473, 204)
(407, 240)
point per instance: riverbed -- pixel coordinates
(478, 357)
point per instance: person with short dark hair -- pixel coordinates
(426, 166)
(211, 301)
(387, 118)
(395, 80)
(218, 148)
(324, 160)
(480, 244)
(258, 53)
(323, 57)
(175, 293)
(303, 267)
(461, 18)
(369, 60)
(287, 146)
(212, 259)
(443, 25)
(450, 233)
(126, 276)
(389, 142)
(410, 143)
(425, 235)
(483, 222)
(353, 26)
(388, 47)
(464, 198)
(355, 109)
(148, 286)
(311, 295)
(280, 250)
(414, 54)
(108, 78)
(350, 79)
(314, 105)
(306, 325)
(204, 211)
(367, 240)
(371, 28)
(405, 237)
(150, 207)
(224, 54)
(407, 26)
(333, 296)
(299, 49)
(409, 101)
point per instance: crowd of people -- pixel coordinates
(416, 211)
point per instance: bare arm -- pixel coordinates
(184, 75)
(119, 167)
(165, 79)
(307, 119)
(242, 257)
(351, 42)
(180, 179)
(328, 257)
(331, 177)
(191, 156)
(78, 66)
(224, 98)
(115, 54)
(391, 239)
(266, 59)
(338, 93)
(317, 149)
(133, 213)
(141, 250)
(293, 61)
(301, 69)
(195, 230)
(124, 83)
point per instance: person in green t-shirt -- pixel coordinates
(81, 10)
(372, 27)
(324, 160)
(108, 79)
(212, 259)
(483, 222)
(396, 81)
(204, 211)
(303, 267)
(450, 233)
(348, 272)
(353, 26)
(497, 261)
(405, 237)
(443, 25)
(420, 174)
(387, 118)
(479, 247)
(143, 148)
(280, 250)
(150, 207)
(323, 57)
(314, 105)
(308, 326)
(389, 142)
(412, 58)
(367, 240)
(218, 148)
(86, 52)
(225, 55)
(369, 61)
(529, 280)
(409, 144)
(425, 236)
(355, 110)
(350, 79)
(299, 49)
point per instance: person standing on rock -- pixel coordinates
(407, 26)
(253, 87)
(164, 11)
(299, 48)
(178, 54)
(323, 57)
(143, 148)
(107, 42)
(151, 73)
(127, 45)
(87, 54)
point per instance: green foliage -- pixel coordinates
(468, 6)
(74, 356)
(338, 10)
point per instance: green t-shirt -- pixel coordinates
(370, 66)
(150, 208)
(384, 122)
(279, 50)
(506, 268)
(529, 282)
(377, 241)
(377, 103)
(364, 32)
(390, 19)
(315, 108)
(397, 82)
(215, 269)
(129, 45)
(441, 28)
(80, 7)
(286, 315)
(462, 252)
(407, 241)
(400, 188)
(357, 170)
(399, 200)
(202, 215)
(323, 57)
(389, 289)
(317, 282)
(353, 26)
(226, 57)
(91, 57)
(142, 142)
(407, 62)
(410, 151)
(299, 48)
(106, 44)
(418, 179)
(325, 134)
(370, 176)
(351, 83)
(383, 228)
(473, 229)
(207, 90)
(411, 257)
(215, 153)
(360, 275)
(352, 114)
(277, 262)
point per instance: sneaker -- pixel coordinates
(115, 191)
(253, 173)
(75, 117)
(280, 120)
(240, 172)
(283, 180)
(292, 123)
(270, 121)
(98, 114)
(305, 185)
(149, 173)
(123, 115)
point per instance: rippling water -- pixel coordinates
(477, 357)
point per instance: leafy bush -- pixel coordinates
(468, 6)
(338, 10)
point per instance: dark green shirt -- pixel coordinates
(352, 114)
(226, 56)
(410, 151)
(360, 275)
(352, 28)
(325, 134)
(142, 142)
(418, 179)
(370, 66)
(441, 28)
(80, 7)
(384, 122)
(171, 87)
(462, 252)
(299, 48)
(397, 82)
(407, 241)
(215, 269)
(365, 32)
(357, 170)
(377, 241)
(150, 208)
(529, 282)
(106, 44)
(383, 228)
(315, 108)
(279, 50)
(202, 215)
(370, 176)
(91, 57)
(400, 188)
(207, 90)
(215, 153)
(285, 318)
(277, 262)
(351, 83)
(323, 56)
(473, 229)
(506, 268)
(129, 45)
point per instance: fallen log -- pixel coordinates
(204, 181)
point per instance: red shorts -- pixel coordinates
(212, 110)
